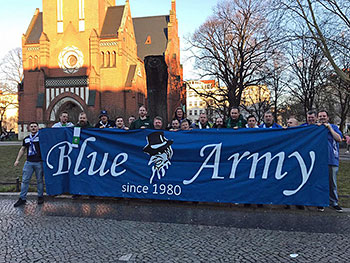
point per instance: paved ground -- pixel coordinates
(8, 143)
(119, 230)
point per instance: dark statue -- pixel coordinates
(157, 86)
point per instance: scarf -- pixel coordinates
(207, 126)
(104, 125)
(32, 151)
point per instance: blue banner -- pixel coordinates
(261, 166)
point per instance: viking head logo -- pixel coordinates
(160, 151)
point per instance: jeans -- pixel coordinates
(333, 195)
(28, 169)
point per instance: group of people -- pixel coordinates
(179, 122)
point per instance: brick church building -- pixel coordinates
(88, 55)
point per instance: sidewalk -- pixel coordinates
(112, 230)
(8, 143)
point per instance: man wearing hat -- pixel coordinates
(104, 121)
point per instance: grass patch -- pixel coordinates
(7, 188)
(343, 181)
(9, 173)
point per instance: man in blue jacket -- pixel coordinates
(334, 137)
(269, 121)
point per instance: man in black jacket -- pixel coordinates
(83, 121)
(104, 121)
(143, 122)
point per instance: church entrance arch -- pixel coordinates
(70, 105)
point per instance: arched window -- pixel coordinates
(30, 62)
(36, 62)
(108, 59)
(114, 59)
(102, 59)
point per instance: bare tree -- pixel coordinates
(256, 100)
(276, 74)
(232, 47)
(308, 72)
(337, 96)
(7, 100)
(326, 20)
(11, 68)
(291, 107)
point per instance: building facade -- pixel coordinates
(88, 55)
(255, 99)
(197, 104)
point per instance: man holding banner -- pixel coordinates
(236, 119)
(63, 121)
(158, 123)
(33, 164)
(104, 122)
(83, 121)
(334, 137)
(269, 121)
(143, 122)
(311, 118)
(203, 122)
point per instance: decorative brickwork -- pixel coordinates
(87, 53)
(67, 82)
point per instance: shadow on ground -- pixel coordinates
(267, 218)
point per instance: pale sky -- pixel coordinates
(15, 16)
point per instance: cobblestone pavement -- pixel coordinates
(112, 230)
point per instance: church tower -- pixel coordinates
(84, 55)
